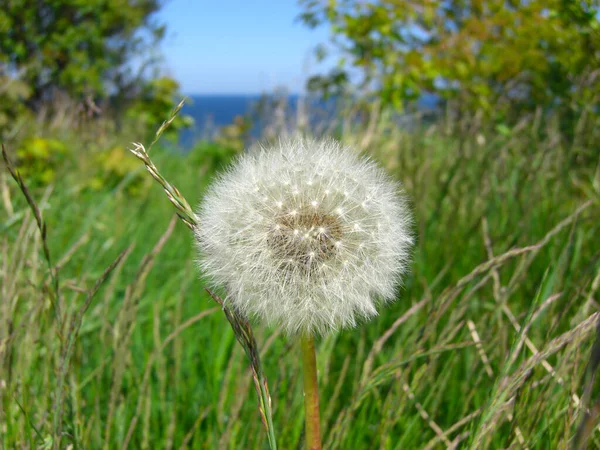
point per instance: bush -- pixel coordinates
(39, 158)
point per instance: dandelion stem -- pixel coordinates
(311, 393)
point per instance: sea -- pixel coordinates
(213, 111)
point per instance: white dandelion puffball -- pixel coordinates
(306, 235)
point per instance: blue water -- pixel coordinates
(210, 112)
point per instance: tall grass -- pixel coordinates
(108, 339)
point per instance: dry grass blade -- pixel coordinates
(501, 259)
(241, 328)
(43, 231)
(188, 437)
(245, 336)
(512, 383)
(524, 330)
(6, 196)
(28, 418)
(149, 364)
(67, 347)
(500, 296)
(451, 294)
(465, 420)
(368, 365)
(126, 322)
(576, 334)
(167, 122)
(589, 420)
(83, 239)
(387, 371)
(482, 354)
(425, 415)
(184, 210)
(331, 403)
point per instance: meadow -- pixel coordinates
(108, 339)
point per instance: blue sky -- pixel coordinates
(238, 46)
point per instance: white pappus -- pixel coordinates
(306, 235)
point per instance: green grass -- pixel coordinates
(153, 362)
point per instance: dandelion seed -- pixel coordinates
(288, 266)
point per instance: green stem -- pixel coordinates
(311, 394)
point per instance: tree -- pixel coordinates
(88, 49)
(498, 56)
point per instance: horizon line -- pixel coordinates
(236, 94)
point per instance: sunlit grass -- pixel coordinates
(486, 349)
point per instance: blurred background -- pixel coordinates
(487, 111)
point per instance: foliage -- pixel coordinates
(96, 146)
(113, 166)
(235, 135)
(495, 56)
(85, 48)
(13, 94)
(98, 57)
(149, 105)
(39, 158)
(210, 155)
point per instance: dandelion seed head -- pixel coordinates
(319, 246)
